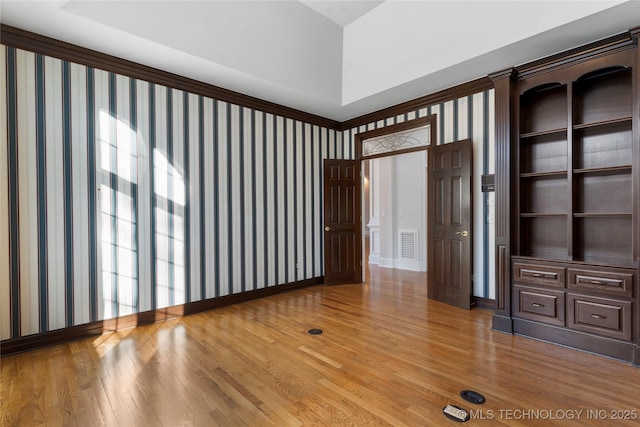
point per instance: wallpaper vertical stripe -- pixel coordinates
(135, 218)
(214, 200)
(313, 155)
(467, 117)
(5, 222)
(92, 193)
(269, 201)
(27, 144)
(240, 235)
(45, 222)
(119, 196)
(197, 203)
(149, 107)
(253, 196)
(143, 238)
(187, 134)
(68, 194)
(209, 259)
(12, 163)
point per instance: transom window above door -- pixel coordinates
(398, 141)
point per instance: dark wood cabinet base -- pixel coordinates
(620, 350)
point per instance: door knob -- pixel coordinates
(464, 233)
(327, 228)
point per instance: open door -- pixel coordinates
(450, 219)
(342, 239)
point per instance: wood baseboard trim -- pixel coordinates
(484, 303)
(502, 324)
(602, 346)
(35, 341)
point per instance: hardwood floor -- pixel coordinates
(387, 357)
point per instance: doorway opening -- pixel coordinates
(395, 212)
(394, 197)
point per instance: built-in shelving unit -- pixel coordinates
(602, 166)
(543, 171)
(575, 168)
(573, 226)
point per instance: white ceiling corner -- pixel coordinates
(342, 12)
(336, 59)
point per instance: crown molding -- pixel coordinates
(606, 46)
(479, 85)
(22, 39)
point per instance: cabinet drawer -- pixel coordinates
(538, 274)
(539, 304)
(613, 282)
(601, 316)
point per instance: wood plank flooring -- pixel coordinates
(387, 357)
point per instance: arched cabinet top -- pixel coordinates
(601, 72)
(542, 88)
(568, 73)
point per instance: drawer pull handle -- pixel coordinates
(538, 274)
(537, 304)
(587, 280)
(598, 316)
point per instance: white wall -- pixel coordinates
(402, 197)
(262, 39)
(412, 41)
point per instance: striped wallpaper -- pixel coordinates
(119, 196)
(124, 196)
(467, 117)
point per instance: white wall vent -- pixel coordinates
(409, 245)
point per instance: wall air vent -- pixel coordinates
(409, 245)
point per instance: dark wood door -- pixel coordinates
(450, 220)
(342, 234)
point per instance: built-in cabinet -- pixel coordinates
(569, 166)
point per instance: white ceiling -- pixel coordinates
(343, 12)
(337, 59)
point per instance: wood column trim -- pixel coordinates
(635, 37)
(504, 82)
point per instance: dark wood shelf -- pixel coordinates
(601, 215)
(544, 256)
(551, 174)
(609, 169)
(543, 133)
(578, 262)
(541, 215)
(622, 120)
